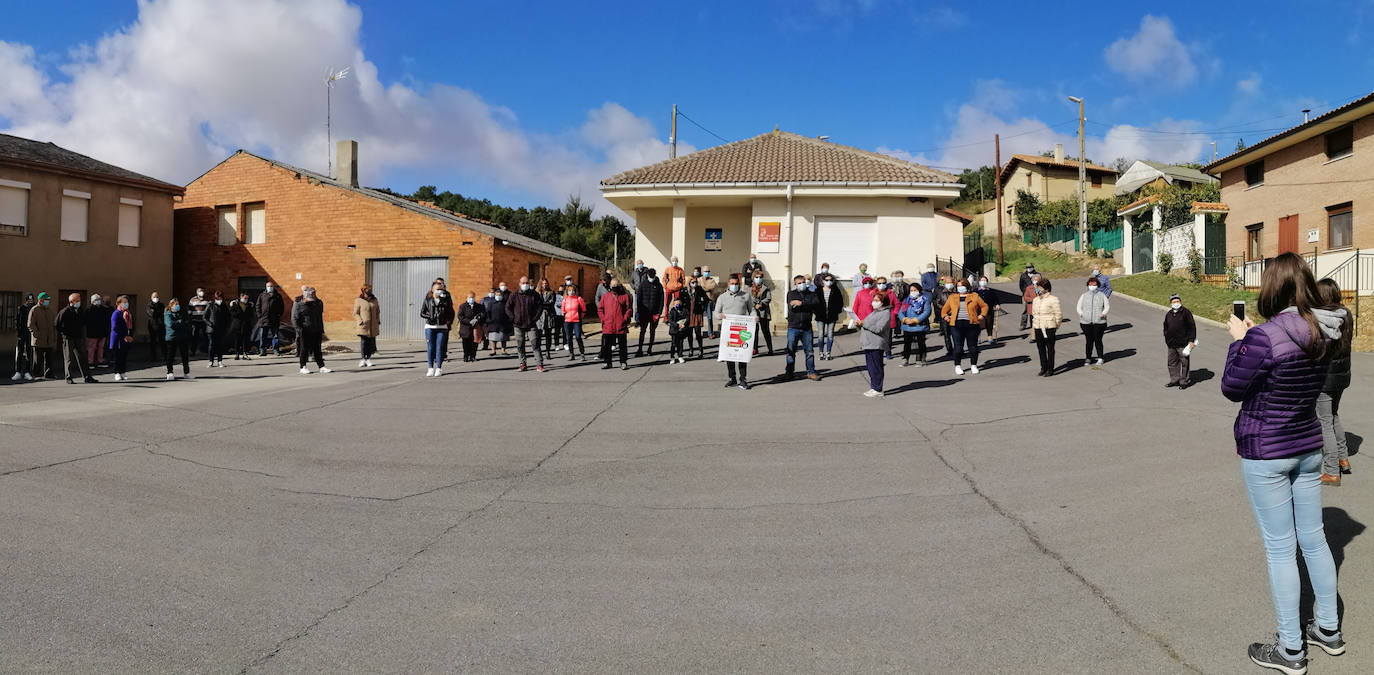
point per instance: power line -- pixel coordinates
(1042, 127)
(696, 124)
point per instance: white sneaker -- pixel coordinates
(28, 377)
(170, 377)
(1100, 362)
(369, 362)
(429, 372)
(119, 377)
(188, 376)
(15, 377)
(438, 372)
(325, 370)
(210, 364)
(958, 370)
(973, 369)
(305, 371)
(873, 393)
(362, 363)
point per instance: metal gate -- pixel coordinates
(400, 286)
(1143, 248)
(1214, 245)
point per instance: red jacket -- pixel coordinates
(616, 312)
(573, 308)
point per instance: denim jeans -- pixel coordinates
(826, 342)
(267, 336)
(1333, 434)
(572, 334)
(802, 335)
(1286, 497)
(436, 347)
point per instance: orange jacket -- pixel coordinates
(673, 279)
(977, 309)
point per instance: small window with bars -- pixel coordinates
(9, 306)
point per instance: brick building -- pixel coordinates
(73, 224)
(250, 219)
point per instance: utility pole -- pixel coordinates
(672, 137)
(615, 252)
(997, 180)
(1214, 151)
(1082, 178)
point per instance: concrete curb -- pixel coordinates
(1198, 319)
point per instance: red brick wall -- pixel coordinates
(309, 230)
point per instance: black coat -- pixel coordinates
(437, 311)
(155, 311)
(1179, 328)
(71, 323)
(270, 307)
(98, 321)
(802, 317)
(241, 317)
(307, 317)
(830, 311)
(1338, 373)
(467, 315)
(649, 298)
(217, 318)
(21, 320)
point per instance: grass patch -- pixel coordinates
(1048, 262)
(1204, 300)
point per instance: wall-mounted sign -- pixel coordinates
(713, 238)
(770, 234)
(1311, 236)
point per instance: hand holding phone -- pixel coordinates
(1238, 309)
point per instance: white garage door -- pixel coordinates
(846, 242)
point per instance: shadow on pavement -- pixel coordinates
(1202, 375)
(1341, 529)
(1352, 442)
(920, 384)
(1008, 361)
(1119, 354)
(1116, 327)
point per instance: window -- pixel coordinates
(252, 286)
(1254, 173)
(1028, 180)
(130, 221)
(14, 207)
(9, 308)
(1252, 241)
(1340, 142)
(228, 218)
(1097, 180)
(255, 223)
(1338, 221)
(534, 273)
(76, 214)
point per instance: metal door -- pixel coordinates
(1143, 248)
(400, 286)
(1214, 243)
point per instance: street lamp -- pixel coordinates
(1082, 179)
(329, 80)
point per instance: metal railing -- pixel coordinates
(953, 268)
(1349, 275)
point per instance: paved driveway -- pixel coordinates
(584, 520)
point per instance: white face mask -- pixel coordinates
(734, 288)
(949, 287)
(200, 294)
(824, 270)
(674, 262)
(1097, 272)
(914, 294)
(524, 287)
(96, 302)
(877, 305)
(1092, 289)
(502, 287)
(882, 286)
(758, 281)
(1176, 305)
(801, 286)
(868, 285)
(439, 294)
(827, 283)
(982, 283)
(753, 261)
(963, 289)
(154, 298)
(897, 278)
(221, 302)
(270, 289)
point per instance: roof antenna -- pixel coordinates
(1305, 111)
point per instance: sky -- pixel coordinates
(526, 102)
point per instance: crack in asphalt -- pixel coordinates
(421, 493)
(169, 455)
(745, 507)
(515, 482)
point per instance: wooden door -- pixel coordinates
(1288, 234)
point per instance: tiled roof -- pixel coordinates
(1209, 206)
(781, 157)
(956, 214)
(1314, 122)
(506, 237)
(1138, 202)
(1048, 162)
(47, 154)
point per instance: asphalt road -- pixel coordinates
(581, 520)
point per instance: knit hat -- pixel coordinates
(1173, 297)
(868, 280)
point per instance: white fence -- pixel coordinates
(1176, 241)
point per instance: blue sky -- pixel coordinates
(525, 102)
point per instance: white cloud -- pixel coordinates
(1154, 55)
(1250, 85)
(166, 97)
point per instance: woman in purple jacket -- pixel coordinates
(1276, 370)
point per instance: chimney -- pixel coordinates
(1305, 113)
(1058, 153)
(346, 163)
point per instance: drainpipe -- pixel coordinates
(786, 283)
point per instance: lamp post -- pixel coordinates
(1082, 179)
(329, 80)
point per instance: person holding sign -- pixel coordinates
(737, 334)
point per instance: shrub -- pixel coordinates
(1233, 278)
(1195, 268)
(1166, 263)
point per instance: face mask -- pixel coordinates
(982, 283)
(154, 298)
(734, 288)
(77, 304)
(1097, 272)
(811, 287)
(439, 294)
(914, 294)
(949, 287)
(897, 278)
(270, 289)
(524, 287)
(882, 286)
(930, 270)
(1039, 291)
(1092, 289)
(639, 266)
(753, 261)
(693, 284)
(963, 289)
(176, 308)
(827, 283)
(491, 295)
(674, 262)
(1176, 305)
(868, 285)
(706, 274)
(877, 305)
(200, 294)
(124, 306)
(824, 270)
(801, 287)
(498, 296)
(653, 280)
(46, 303)
(472, 301)
(221, 302)
(96, 302)
(758, 281)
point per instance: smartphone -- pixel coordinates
(1238, 309)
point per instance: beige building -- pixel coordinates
(794, 201)
(1306, 190)
(73, 224)
(1049, 178)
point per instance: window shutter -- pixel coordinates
(14, 207)
(228, 226)
(130, 224)
(76, 212)
(255, 219)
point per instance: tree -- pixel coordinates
(1121, 164)
(978, 183)
(1067, 158)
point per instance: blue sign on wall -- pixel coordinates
(713, 238)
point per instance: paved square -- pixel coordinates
(584, 520)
